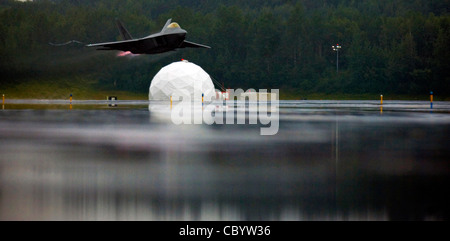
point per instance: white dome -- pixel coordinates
(185, 76)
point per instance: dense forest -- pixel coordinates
(392, 46)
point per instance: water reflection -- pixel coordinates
(127, 163)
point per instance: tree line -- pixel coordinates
(392, 46)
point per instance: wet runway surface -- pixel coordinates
(126, 160)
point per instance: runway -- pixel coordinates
(127, 160)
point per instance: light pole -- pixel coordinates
(337, 48)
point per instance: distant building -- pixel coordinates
(181, 77)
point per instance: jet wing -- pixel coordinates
(126, 45)
(187, 44)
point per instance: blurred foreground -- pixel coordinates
(125, 160)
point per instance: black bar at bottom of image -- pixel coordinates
(281, 230)
(233, 230)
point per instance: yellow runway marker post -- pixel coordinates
(70, 99)
(381, 104)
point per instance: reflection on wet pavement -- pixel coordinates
(331, 160)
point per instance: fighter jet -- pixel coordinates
(171, 37)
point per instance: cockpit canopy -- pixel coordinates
(173, 25)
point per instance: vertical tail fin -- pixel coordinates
(123, 31)
(167, 24)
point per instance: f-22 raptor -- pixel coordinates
(171, 37)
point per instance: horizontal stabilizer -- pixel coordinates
(187, 44)
(66, 43)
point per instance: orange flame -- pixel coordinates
(126, 53)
